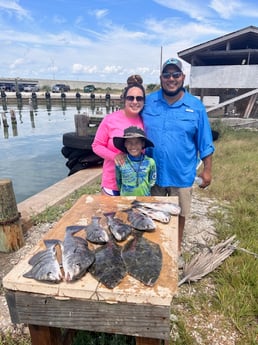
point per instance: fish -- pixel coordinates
(45, 266)
(118, 228)
(140, 221)
(169, 207)
(76, 256)
(109, 267)
(160, 216)
(143, 259)
(95, 233)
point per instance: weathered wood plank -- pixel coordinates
(129, 290)
(44, 335)
(121, 318)
(147, 341)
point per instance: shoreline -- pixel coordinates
(55, 194)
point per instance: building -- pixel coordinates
(224, 72)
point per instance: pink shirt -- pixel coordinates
(112, 125)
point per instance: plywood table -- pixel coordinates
(131, 308)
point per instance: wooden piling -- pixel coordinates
(13, 116)
(81, 124)
(4, 118)
(11, 235)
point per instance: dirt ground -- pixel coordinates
(206, 327)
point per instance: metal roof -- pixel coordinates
(237, 48)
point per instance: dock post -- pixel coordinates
(81, 124)
(11, 234)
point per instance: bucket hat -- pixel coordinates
(131, 132)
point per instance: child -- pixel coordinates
(138, 174)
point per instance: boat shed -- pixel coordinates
(224, 73)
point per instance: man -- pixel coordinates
(177, 123)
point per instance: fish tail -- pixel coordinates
(127, 210)
(51, 242)
(109, 214)
(72, 229)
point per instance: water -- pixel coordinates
(30, 152)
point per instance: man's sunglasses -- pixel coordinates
(175, 75)
(132, 98)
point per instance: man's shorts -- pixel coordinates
(184, 196)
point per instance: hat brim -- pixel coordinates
(172, 64)
(119, 143)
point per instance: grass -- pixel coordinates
(233, 288)
(235, 180)
(235, 167)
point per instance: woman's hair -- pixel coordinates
(134, 81)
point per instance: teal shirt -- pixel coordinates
(136, 176)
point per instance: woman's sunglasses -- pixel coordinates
(132, 98)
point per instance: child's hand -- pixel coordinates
(120, 159)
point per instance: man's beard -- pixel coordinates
(173, 93)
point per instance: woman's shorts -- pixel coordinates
(110, 192)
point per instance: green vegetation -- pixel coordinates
(10, 339)
(235, 186)
(54, 213)
(231, 291)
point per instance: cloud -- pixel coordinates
(59, 19)
(194, 8)
(232, 8)
(12, 7)
(99, 14)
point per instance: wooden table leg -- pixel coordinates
(43, 335)
(147, 341)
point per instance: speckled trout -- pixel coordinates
(169, 207)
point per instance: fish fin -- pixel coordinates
(28, 274)
(36, 257)
(127, 210)
(72, 229)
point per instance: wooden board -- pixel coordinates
(130, 308)
(130, 289)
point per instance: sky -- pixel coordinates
(108, 40)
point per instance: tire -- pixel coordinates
(73, 140)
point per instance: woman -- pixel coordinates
(113, 125)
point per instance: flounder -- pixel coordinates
(45, 266)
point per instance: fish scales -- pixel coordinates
(143, 259)
(45, 266)
(140, 221)
(76, 256)
(163, 217)
(109, 267)
(95, 233)
(170, 207)
(118, 228)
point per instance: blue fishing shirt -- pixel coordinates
(180, 132)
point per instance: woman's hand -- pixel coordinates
(120, 159)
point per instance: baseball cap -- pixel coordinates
(173, 61)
